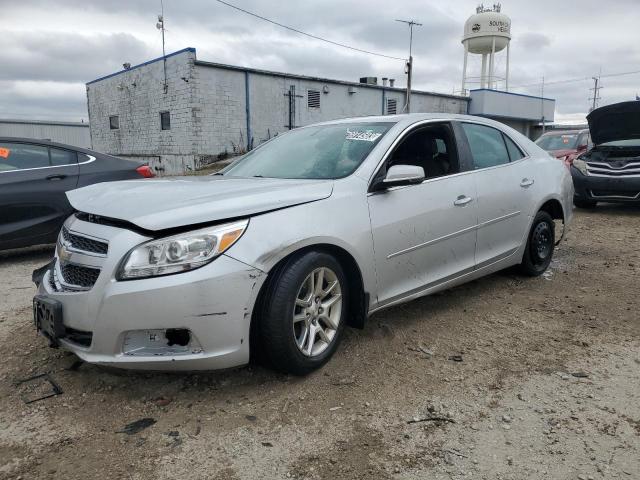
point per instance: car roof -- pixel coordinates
(49, 143)
(407, 119)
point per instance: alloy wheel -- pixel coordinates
(317, 311)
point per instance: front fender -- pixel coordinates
(341, 220)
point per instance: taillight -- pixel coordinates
(145, 171)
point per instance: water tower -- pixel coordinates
(486, 33)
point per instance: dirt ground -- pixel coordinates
(548, 387)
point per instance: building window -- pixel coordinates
(114, 122)
(313, 98)
(392, 106)
(165, 120)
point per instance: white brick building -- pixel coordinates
(209, 109)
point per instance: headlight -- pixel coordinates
(581, 165)
(180, 253)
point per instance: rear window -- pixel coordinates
(20, 156)
(558, 141)
(514, 151)
(63, 157)
(488, 148)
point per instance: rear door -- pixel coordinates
(424, 234)
(505, 182)
(33, 182)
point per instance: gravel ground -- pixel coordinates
(548, 386)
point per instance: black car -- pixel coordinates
(34, 177)
(610, 171)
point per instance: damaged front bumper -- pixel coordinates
(196, 320)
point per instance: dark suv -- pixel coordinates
(610, 171)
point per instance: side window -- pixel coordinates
(63, 157)
(431, 148)
(20, 156)
(487, 146)
(514, 151)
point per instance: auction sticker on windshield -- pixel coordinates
(366, 136)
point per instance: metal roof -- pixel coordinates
(44, 122)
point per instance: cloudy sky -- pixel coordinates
(51, 48)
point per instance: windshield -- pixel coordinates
(320, 152)
(558, 142)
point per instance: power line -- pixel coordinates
(580, 79)
(308, 34)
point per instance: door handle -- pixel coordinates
(462, 200)
(526, 182)
(56, 177)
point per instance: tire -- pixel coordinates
(540, 245)
(290, 309)
(584, 203)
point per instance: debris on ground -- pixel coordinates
(433, 418)
(38, 387)
(137, 426)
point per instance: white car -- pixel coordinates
(308, 233)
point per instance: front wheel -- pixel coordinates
(303, 315)
(540, 245)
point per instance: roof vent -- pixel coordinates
(392, 82)
(369, 80)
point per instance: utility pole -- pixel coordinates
(409, 65)
(160, 26)
(596, 93)
(542, 105)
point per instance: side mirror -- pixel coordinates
(399, 175)
(582, 148)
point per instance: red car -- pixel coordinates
(565, 145)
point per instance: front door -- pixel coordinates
(424, 234)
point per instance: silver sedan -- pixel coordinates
(305, 235)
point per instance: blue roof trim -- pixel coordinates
(188, 49)
(511, 93)
(509, 117)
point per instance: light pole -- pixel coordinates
(409, 65)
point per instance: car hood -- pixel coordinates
(620, 121)
(159, 204)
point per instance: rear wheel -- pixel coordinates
(584, 203)
(303, 314)
(540, 245)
